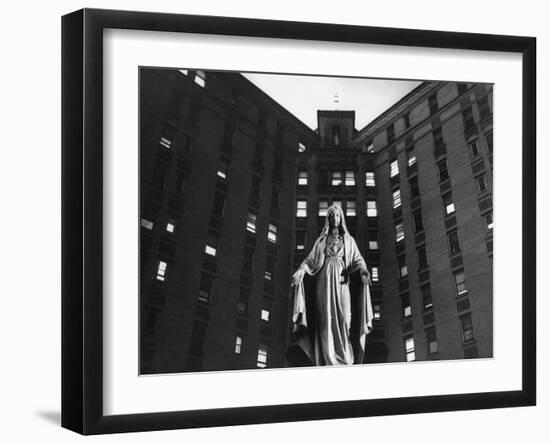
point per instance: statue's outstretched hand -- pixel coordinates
(298, 277)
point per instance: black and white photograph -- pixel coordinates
(297, 220)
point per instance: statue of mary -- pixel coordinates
(325, 339)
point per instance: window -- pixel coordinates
(448, 204)
(418, 222)
(399, 232)
(406, 120)
(371, 208)
(411, 157)
(374, 274)
(336, 140)
(443, 171)
(238, 344)
(488, 221)
(484, 110)
(413, 183)
(301, 147)
(474, 151)
(396, 198)
(242, 303)
(183, 71)
(427, 297)
(248, 260)
(462, 88)
(300, 240)
(337, 203)
(454, 246)
(200, 78)
(467, 328)
(482, 186)
(391, 134)
(489, 140)
(262, 356)
(180, 181)
(301, 208)
(165, 142)
(336, 178)
(394, 168)
(264, 315)
(373, 239)
(269, 268)
(432, 103)
(323, 207)
(350, 178)
(369, 179)
(402, 266)
(422, 259)
(161, 270)
(350, 208)
(197, 339)
(272, 233)
(251, 223)
(460, 283)
(170, 226)
(274, 199)
(219, 204)
(432, 340)
(255, 188)
(211, 244)
(406, 309)
(370, 148)
(205, 288)
(377, 312)
(438, 141)
(302, 178)
(222, 169)
(147, 224)
(409, 348)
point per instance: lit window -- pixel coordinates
(443, 171)
(448, 203)
(467, 328)
(394, 168)
(147, 224)
(396, 199)
(251, 223)
(184, 71)
(262, 356)
(238, 344)
(300, 240)
(336, 178)
(399, 232)
(402, 266)
(489, 221)
(301, 147)
(371, 208)
(350, 178)
(369, 179)
(454, 246)
(350, 208)
(370, 148)
(474, 149)
(205, 288)
(302, 178)
(272, 233)
(200, 78)
(166, 142)
(377, 312)
(222, 169)
(301, 208)
(409, 348)
(482, 186)
(432, 340)
(374, 274)
(161, 270)
(411, 157)
(373, 239)
(265, 315)
(211, 245)
(170, 227)
(323, 207)
(337, 203)
(460, 283)
(427, 296)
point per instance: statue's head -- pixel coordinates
(335, 218)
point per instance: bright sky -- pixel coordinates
(304, 95)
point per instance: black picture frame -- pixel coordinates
(82, 232)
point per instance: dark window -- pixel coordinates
(269, 268)
(205, 289)
(336, 138)
(462, 88)
(432, 103)
(242, 303)
(405, 305)
(255, 189)
(438, 138)
(197, 339)
(415, 191)
(431, 338)
(454, 246)
(489, 140)
(427, 297)
(275, 199)
(468, 118)
(418, 223)
(484, 110)
(443, 171)
(159, 174)
(482, 186)
(391, 134)
(180, 181)
(422, 259)
(248, 259)
(474, 151)
(467, 328)
(219, 204)
(406, 120)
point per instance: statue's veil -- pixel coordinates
(343, 227)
